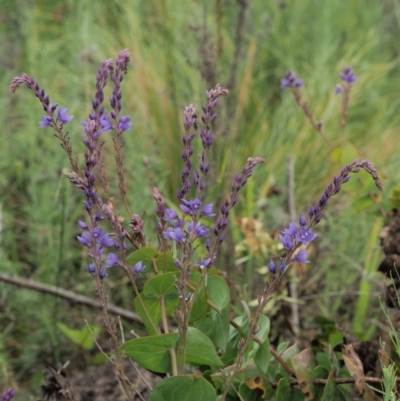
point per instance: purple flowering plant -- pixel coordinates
(295, 84)
(185, 301)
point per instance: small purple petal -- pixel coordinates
(63, 116)
(46, 122)
(138, 267)
(112, 260)
(207, 210)
(301, 257)
(271, 266)
(84, 239)
(83, 225)
(338, 89)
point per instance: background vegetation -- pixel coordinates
(179, 49)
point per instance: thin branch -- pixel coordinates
(293, 217)
(68, 295)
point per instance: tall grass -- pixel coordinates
(177, 48)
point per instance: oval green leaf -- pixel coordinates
(200, 349)
(183, 388)
(153, 353)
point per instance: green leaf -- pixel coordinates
(146, 255)
(263, 356)
(263, 328)
(161, 285)
(349, 154)
(234, 337)
(216, 326)
(165, 262)
(283, 391)
(183, 388)
(332, 391)
(200, 307)
(81, 337)
(153, 353)
(218, 291)
(150, 257)
(200, 349)
(336, 155)
(303, 367)
(153, 308)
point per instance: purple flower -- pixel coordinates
(301, 257)
(200, 230)
(271, 266)
(91, 268)
(176, 234)
(291, 230)
(124, 123)
(83, 225)
(105, 123)
(291, 81)
(282, 266)
(347, 75)
(7, 395)
(302, 220)
(204, 263)
(138, 267)
(46, 122)
(85, 239)
(305, 236)
(63, 116)
(170, 214)
(102, 237)
(286, 241)
(190, 207)
(112, 260)
(338, 89)
(207, 210)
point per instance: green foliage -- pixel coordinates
(183, 388)
(40, 210)
(152, 352)
(81, 337)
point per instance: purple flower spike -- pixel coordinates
(291, 81)
(63, 116)
(46, 122)
(7, 395)
(301, 257)
(347, 75)
(138, 267)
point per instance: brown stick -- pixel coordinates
(69, 295)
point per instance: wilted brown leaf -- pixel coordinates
(356, 369)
